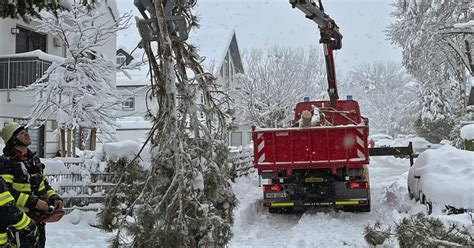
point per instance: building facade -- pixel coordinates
(25, 55)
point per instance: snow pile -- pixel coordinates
(75, 230)
(446, 176)
(467, 132)
(36, 54)
(113, 151)
(54, 166)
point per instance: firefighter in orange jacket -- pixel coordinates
(24, 176)
(13, 217)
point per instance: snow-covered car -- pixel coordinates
(443, 178)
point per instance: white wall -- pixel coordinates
(140, 102)
(138, 135)
(7, 40)
(246, 132)
(20, 103)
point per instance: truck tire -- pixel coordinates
(365, 208)
(280, 210)
(274, 210)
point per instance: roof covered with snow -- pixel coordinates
(134, 78)
(133, 122)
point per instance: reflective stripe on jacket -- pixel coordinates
(24, 176)
(11, 216)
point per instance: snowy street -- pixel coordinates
(255, 227)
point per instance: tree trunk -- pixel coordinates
(69, 141)
(62, 142)
(73, 141)
(305, 118)
(93, 138)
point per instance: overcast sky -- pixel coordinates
(266, 23)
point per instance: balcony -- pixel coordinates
(23, 69)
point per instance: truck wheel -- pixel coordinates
(365, 208)
(280, 210)
(274, 210)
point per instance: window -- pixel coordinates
(129, 104)
(28, 40)
(236, 139)
(120, 59)
(54, 125)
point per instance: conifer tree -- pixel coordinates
(185, 199)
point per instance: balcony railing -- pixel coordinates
(23, 71)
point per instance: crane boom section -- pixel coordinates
(331, 39)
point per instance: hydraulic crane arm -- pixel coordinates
(330, 38)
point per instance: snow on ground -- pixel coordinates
(75, 230)
(255, 227)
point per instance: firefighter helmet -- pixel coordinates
(9, 129)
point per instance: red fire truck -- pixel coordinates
(324, 163)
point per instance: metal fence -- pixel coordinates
(85, 191)
(242, 162)
(16, 72)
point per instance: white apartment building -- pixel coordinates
(25, 55)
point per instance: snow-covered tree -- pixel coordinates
(464, 31)
(428, 56)
(184, 198)
(79, 91)
(385, 94)
(275, 80)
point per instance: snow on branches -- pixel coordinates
(185, 199)
(384, 91)
(79, 91)
(429, 57)
(276, 79)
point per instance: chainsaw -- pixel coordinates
(52, 215)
